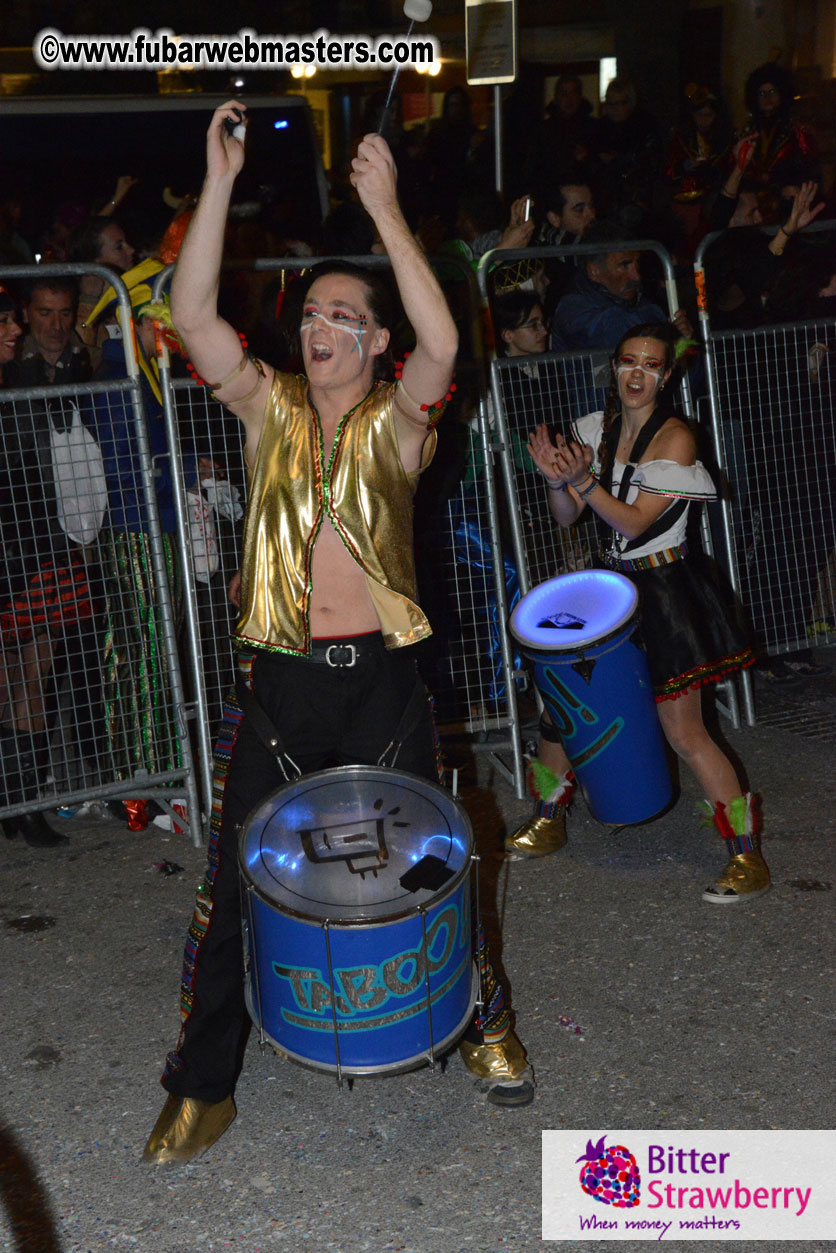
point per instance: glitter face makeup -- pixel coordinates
(355, 325)
(640, 369)
(626, 367)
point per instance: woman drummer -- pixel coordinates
(635, 467)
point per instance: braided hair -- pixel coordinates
(667, 336)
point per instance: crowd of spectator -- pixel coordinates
(607, 180)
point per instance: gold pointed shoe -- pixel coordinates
(187, 1127)
(746, 875)
(502, 1070)
(538, 837)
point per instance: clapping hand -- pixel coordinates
(573, 462)
(543, 451)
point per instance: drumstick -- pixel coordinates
(416, 11)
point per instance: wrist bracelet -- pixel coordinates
(554, 485)
(587, 490)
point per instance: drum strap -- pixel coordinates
(410, 719)
(270, 738)
(264, 729)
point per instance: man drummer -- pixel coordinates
(327, 596)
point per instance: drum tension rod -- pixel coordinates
(325, 925)
(422, 911)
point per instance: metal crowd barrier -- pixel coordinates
(91, 696)
(558, 388)
(771, 406)
(465, 661)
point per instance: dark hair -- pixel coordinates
(554, 198)
(8, 304)
(378, 296)
(610, 235)
(770, 72)
(86, 240)
(509, 312)
(721, 133)
(68, 286)
(667, 335)
(456, 93)
(568, 78)
(624, 84)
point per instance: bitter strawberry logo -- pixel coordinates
(610, 1174)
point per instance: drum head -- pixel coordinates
(573, 610)
(355, 844)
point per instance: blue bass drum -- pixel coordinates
(358, 940)
(578, 630)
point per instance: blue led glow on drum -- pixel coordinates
(578, 630)
(359, 945)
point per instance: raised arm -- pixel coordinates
(429, 369)
(213, 345)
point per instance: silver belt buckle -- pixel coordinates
(341, 665)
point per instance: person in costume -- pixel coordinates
(327, 608)
(635, 467)
(785, 154)
(699, 158)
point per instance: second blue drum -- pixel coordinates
(580, 631)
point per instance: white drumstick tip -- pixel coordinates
(240, 132)
(417, 10)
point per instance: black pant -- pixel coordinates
(325, 717)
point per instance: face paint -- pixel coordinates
(628, 369)
(354, 326)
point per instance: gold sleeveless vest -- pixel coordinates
(365, 492)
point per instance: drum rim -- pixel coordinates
(563, 656)
(571, 647)
(320, 921)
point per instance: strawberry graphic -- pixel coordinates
(610, 1174)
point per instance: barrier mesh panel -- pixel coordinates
(777, 428)
(85, 697)
(555, 390)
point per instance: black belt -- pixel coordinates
(344, 654)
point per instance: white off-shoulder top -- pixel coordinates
(660, 478)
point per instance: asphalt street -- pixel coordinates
(640, 1007)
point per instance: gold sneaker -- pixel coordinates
(187, 1127)
(538, 837)
(502, 1070)
(747, 874)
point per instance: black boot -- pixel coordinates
(23, 755)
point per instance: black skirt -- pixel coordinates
(689, 625)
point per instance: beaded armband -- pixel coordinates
(434, 411)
